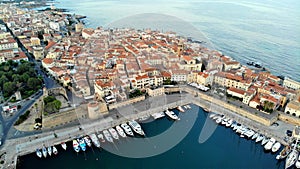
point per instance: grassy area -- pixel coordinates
(22, 118)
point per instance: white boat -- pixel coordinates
(255, 136)
(249, 133)
(185, 107)
(136, 127)
(219, 120)
(172, 115)
(49, 150)
(291, 159)
(264, 141)
(64, 145)
(229, 123)
(113, 133)
(101, 138)
(44, 151)
(127, 129)
(38, 153)
(107, 136)
(54, 150)
(276, 147)
(270, 144)
(76, 146)
(95, 140)
(259, 138)
(120, 131)
(87, 140)
(216, 117)
(157, 115)
(224, 121)
(212, 115)
(144, 118)
(283, 153)
(180, 109)
(297, 164)
(188, 106)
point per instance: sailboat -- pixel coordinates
(292, 157)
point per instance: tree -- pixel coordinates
(3, 79)
(9, 88)
(49, 99)
(57, 104)
(33, 83)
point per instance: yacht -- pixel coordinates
(64, 145)
(297, 164)
(76, 146)
(249, 133)
(107, 136)
(270, 144)
(136, 127)
(144, 118)
(212, 115)
(49, 150)
(87, 141)
(44, 151)
(255, 136)
(224, 121)
(54, 150)
(259, 138)
(82, 144)
(219, 120)
(276, 147)
(283, 153)
(95, 140)
(180, 109)
(188, 106)
(38, 153)
(291, 158)
(172, 115)
(156, 116)
(127, 129)
(120, 131)
(264, 141)
(229, 123)
(114, 133)
(101, 138)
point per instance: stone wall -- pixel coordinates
(124, 103)
(289, 119)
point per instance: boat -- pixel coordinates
(219, 120)
(216, 117)
(39, 153)
(180, 109)
(249, 133)
(144, 118)
(44, 151)
(76, 146)
(136, 127)
(120, 131)
(107, 136)
(224, 121)
(82, 144)
(234, 123)
(229, 123)
(255, 136)
(49, 150)
(127, 129)
(54, 150)
(101, 138)
(64, 145)
(283, 153)
(157, 115)
(264, 141)
(291, 158)
(95, 140)
(276, 147)
(259, 138)
(212, 115)
(87, 141)
(172, 115)
(270, 144)
(297, 164)
(113, 133)
(185, 107)
(188, 106)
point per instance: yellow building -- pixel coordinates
(35, 41)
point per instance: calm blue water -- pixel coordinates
(224, 149)
(263, 31)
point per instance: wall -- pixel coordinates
(289, 119)
(124, 103)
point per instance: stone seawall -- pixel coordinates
(289, 119)
(127, 102)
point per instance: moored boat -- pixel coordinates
(264, 141)
(180, 109)
(107, 136)
(38, 153)
(229, 123)
(87, 140)
(259, 138)
(212, 115)
(82, 144)
(270, 144)
(297, 164)
(127, 129)
(276, 147)
(113, 133)
(156, 115)
(44, 151)
(120, 131)
(76, 146)
(136, 127)
(255, 136)
(101, 138)
(291, 159)
(188, 106)
(172, 115)
(283, 153)
(64, 145)
(54, 150)
(95, 140)
(49, 150)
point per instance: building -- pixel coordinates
(292, 84)
(179, 75)
(35, 41)
(96, 109)
(38, 52)
(155, 91)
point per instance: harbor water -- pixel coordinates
(223, 149)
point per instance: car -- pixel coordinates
(289, 133)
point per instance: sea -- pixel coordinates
(266, 31)
(168, 145)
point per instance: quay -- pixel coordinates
(21, 146)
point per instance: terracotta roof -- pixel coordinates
(47, 61)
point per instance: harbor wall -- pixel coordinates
(126, 102)
(253, 116)
(289, 119)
